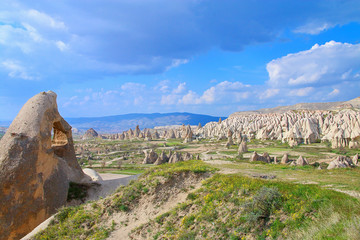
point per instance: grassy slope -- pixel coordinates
(89, 221)
(237, 207)
(225, 207)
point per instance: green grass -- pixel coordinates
(237, 207)
(88, 221)
(344, 179)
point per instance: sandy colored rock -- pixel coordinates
(150, 157)
(35, 170)
(90, 134)
(242, 147)
(285, 159)
(340, 162)
(301, 161)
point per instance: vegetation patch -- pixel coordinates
(237, 207)
(91, 221)
(77, 191)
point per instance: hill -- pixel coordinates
(353, 103)
(119, 123)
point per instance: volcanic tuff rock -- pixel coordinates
(340, 162)
(341, 128)
(90, 134)
(150, 157)
(35, 170)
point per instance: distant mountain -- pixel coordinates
(119, 123)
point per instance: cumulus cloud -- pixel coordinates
(301, 92)
(123, 38)
(222, 92)
(16, 70)
(313, 28)
(321, 65)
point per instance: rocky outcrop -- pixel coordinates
(161, 159)
(341, 128)
(285, 159)
(90, 134)
(35, 168)
(176, 157)
(340, 162)
(150, 157)
(188, 134)
(242, 147)
(301, 161)
(264, 158)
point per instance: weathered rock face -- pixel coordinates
(90, 134)
(176, 157)
(35, 170)
(341, 128)
(340, 162)
(242, 147)
(150, 157)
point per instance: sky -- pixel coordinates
(110, 57)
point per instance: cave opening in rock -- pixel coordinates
(59, 136)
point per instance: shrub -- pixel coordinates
(263, 204)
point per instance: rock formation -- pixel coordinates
(150, 157)
(264, 158)
(35, 168)
(301, 161)
(242, 147)
(341, 128)
(175, 157)
(188, 134)
(161, 159)
(340, 162)
(285, 159)
(90, 134)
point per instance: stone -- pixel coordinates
(161, 159)
(301, 161)
(285, 159)
(242, 147)
(95, 177)
(35, 169)
(150, 157)
(340, 162)
(176, 157)
(355, 159)
(90, 134)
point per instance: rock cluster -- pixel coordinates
(341, 162)
(341, 128)
(152, 158)
(35, 167)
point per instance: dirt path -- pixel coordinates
(151, 206)
(109, 184)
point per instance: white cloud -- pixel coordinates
(180, 88)
(16, 70)
(334, 92)
(301, 92)
(61, 45)
(223, 92)
(163, 86)
(269, 93)
(44, 19)
(313, 28)
(176, 63)
(132, 86)
(321, 65)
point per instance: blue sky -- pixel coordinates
(107, 57)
